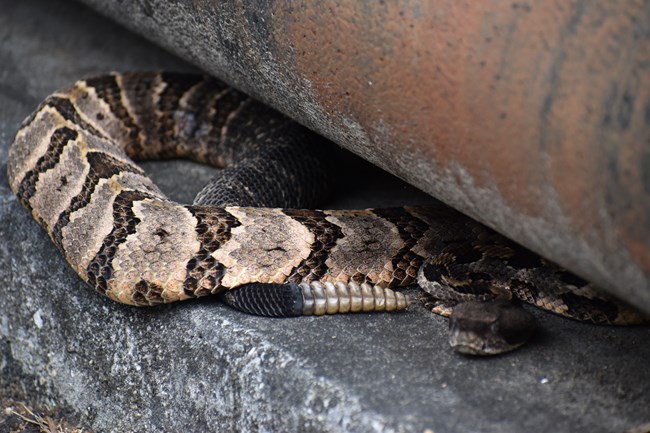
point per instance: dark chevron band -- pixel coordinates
(100, 269)
(109, 91)
(58, 141)
(66, 108)
(103, 167)
(203, 272)
(326, 235)
(406, 263)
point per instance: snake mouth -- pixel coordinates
(475, 344)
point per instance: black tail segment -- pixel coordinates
(272, 300)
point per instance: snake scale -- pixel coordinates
(72, 166)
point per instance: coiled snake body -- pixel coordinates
(71, 165)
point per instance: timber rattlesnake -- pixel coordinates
(71, 165)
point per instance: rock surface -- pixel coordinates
(200, 366)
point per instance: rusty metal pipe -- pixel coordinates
(533, 117)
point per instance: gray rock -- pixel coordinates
(199, 366)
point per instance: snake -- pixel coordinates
(254, 236)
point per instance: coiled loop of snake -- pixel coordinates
(72, 165)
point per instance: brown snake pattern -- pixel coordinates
(71, 165)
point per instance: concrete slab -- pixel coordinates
(200, 366)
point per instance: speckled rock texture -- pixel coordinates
(200, 366)
(533, 117)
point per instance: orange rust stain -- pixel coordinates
(440, 77)
(596, 128)
(516, 93)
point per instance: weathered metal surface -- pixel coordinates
(533, 117)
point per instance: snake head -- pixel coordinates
(489, 328)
